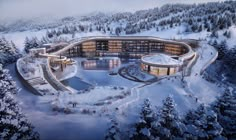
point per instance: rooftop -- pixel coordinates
(161, 59)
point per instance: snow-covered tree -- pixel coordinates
(8, 52)
(117, 31)
(90, 28)
(143, 127)
(45, 40)
(225, 107)
(214, 34)
(113, 132)
(202, 124)
(49, 34)
(230, 58)
(65, 30)
(31, 43)
(13, 124)
(222, 49)
(168, 124)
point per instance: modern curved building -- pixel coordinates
(158, 56)
(160, 64)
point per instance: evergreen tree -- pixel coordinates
(81, 28)
(200, 28)
(143, 127)
(65, 30)
(31, 43)
(45, 40)
(8, 52)
(58, 32)
(13, 124)
(168, 124)
(214, 34)
(90, 29)
(225, 107)
(222, 49)
(118, 31)
(228, 35)
(49, 34)
(202, 124)
(113, 131)
(194, 27)
(230, 58)
(225, 33)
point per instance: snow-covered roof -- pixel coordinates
(47, 44)
(161, 59)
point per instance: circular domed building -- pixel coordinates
(160, 64)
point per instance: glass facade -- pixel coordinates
(135, 46)
(159, 71)
(174, 49)
(115, 46)
(102, 45)
(104, 64)
(132, 48)
(89, 49)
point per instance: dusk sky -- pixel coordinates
(18, 9)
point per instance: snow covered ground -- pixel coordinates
(19, 37)
(174, 33)
(52, 124)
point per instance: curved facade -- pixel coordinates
(160, 64)
(131, 47)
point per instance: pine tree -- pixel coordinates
(45, 40)
(228, 35)
(230, 58)
(117, 31)
(90, 29)
(49, 34)
(65, 30)
(8, 52)
(143, 127)
(214, 34)
(31, 43)
(113, 131)
(27, 42)
(200, 28)
(13, 124)
(59, 32)
(222, 49)
(202, 124)
(225, 107)
(225, 33)
(168, 124)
